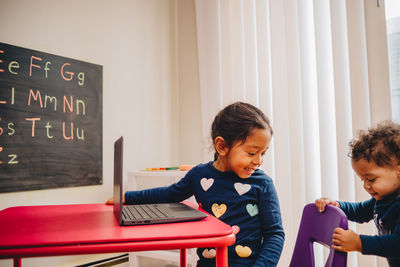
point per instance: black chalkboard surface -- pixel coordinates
(50, 121)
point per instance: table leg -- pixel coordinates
(183, 257)
(222, 256)
(17, 262)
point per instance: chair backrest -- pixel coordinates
(318, 227)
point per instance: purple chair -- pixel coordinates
(318, 227)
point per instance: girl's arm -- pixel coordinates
(176, 192)
(272, 230)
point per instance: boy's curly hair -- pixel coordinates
(380, 144)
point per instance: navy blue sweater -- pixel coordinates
(386, 215)
(250, 205)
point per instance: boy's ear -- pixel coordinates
(221, 146)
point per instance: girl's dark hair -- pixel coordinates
(236, 121)
(380, 144)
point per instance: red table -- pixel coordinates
(32, 231)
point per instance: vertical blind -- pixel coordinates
(307, 64)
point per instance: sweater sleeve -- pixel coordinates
(272, 229)
(387, 243)
(360, 212)
(384, 245)
(176, 192)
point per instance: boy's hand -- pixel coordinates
(322, 202)
(346, 240)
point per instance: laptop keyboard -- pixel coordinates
(143, 212)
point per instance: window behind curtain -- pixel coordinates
(392, 8)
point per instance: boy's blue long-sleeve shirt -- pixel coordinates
(250, 205)
(386, 215)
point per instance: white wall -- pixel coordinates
(191, 144)
(150, 81)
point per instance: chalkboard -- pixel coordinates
(50, 121)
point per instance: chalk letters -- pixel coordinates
(50, 120)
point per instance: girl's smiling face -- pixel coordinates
(380, 182)
(244, 158)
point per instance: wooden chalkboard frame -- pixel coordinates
(50, 121)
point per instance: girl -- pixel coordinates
(233, 188)
(375, 157)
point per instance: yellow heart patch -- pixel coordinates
(218, 210)
(243, 252)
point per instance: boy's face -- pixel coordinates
(245, 158)
(379, 181)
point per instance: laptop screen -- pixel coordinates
(118, 170)
(165, 212)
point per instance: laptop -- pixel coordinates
(147, 213)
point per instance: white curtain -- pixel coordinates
(312, 68)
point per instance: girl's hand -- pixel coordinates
(322, 202)
(110, 201)
(346, 240)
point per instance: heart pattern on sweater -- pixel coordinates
(243, 252)
(236, 229)
(218, 210)
(252, 209)
(242, 188)
(206, 183)
(209, 253)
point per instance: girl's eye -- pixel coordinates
(251, 154)
(372, 180)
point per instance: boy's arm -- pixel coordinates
(360, 212)
(273, 234)
(176, 192)
(383, 245)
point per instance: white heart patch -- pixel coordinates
(242, 188)
(206, 183)
(209, 254)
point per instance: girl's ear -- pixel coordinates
(221, 146)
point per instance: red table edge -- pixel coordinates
(221, 241)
